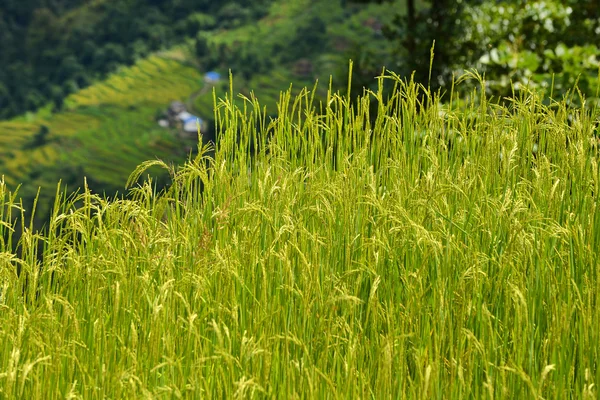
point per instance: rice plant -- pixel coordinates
(389, 246)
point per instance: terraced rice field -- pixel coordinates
(103, 132)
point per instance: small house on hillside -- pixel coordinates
(175, 108)
(190, 123)
(212, 77)
(178, 117)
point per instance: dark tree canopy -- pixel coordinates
(53, 47)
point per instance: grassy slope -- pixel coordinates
(344, 260)
(105, 131)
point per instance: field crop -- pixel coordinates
(425, 251)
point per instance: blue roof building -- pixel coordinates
(212, 77)
(190, 122)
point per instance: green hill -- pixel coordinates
(104, 132)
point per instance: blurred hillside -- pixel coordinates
(84, 83)
(52, 48)
(100, 118)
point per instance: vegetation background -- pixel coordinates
(54, 49)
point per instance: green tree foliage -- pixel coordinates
(51, 48)
(311, 37)
(195, 23)
(541, 43)
(39, 139)
(233, 15)
(5, 101)
(420, 25)
(548, 44)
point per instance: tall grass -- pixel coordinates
(425, 251)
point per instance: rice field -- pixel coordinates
(426, 251)
(103, 132)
